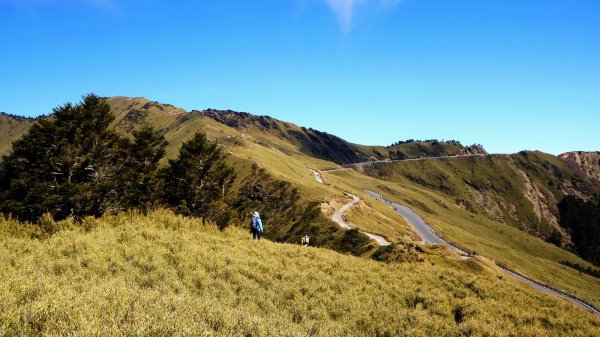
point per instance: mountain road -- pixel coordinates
(429, 236)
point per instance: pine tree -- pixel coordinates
(139, 190)
(70, 166)
(196, 183)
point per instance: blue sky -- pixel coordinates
(508, 74)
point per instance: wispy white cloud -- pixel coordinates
(345, 10)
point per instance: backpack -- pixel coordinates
(253, 223)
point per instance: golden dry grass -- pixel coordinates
(375, 217)
(525, 253)
(163, 275)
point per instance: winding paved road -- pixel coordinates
(428, 235)
(425, 232)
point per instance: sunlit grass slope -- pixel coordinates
(521, 189)
(375, 217)
(166, 275)
(11, 128)
(279, 157)
(285, 161)
(519, 250)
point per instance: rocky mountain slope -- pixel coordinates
(587, 163)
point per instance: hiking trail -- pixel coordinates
(338, 217)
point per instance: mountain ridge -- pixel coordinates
(131, 112)
(274, 177)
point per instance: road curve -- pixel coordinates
(425, 232)
(338, 217)
(428, 235)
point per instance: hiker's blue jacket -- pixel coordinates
(256, 220)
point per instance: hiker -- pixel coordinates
(256, 226)
(305, 240)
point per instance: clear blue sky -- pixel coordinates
(509, 74)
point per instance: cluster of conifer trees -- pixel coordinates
(74, 164)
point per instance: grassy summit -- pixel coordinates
(167, 275)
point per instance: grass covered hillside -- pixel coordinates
(167, 275)
(268, 180)
(11, 128)
(522, 190)
(330, 147)
(497, 240)
(274, 177)
(133, 112)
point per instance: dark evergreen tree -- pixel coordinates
(197, 182)
(75, 164)
(143, 155)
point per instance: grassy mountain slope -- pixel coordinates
(522, 190)
(277, 183)
(273, 170)
(132, 112)
(274, 178)
(325, 146)
(166, 275)
(12, 128)
(279, 186)
(506, 244)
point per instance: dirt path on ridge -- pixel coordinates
(318, 176)
(338, 217)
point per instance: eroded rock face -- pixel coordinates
(587, 162)
(472, 150)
